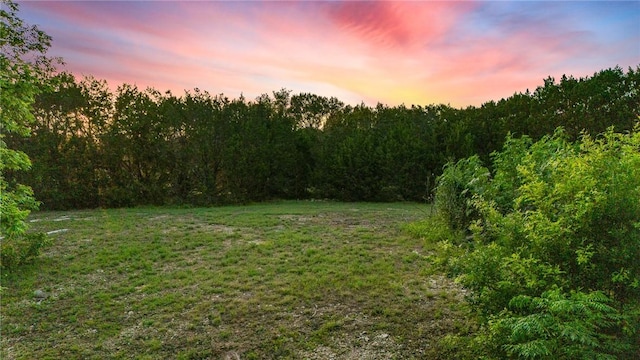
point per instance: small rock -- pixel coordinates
(57, 231)
(39, 294)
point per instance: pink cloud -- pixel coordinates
(397, 24)
(106, 15)
(392, 52)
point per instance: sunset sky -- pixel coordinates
(423, 52)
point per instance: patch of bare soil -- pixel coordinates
(334, 220)
(358, 337)
(361, 345)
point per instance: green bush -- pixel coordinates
(20, 250)
(16, 245)
(456, 186)
(558, 326)
(554, 218)
(23, 66)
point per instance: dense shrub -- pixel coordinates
(557, 224)
(558, 326)
(21, 250)
(456, 186)
(23, 64)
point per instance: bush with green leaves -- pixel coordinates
(557, 325)
(553, 216)
(21, 250)
(22, 67)
(456, 186)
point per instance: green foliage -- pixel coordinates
(456, 187)
(506, 178)
(557, 222)
(22, 66)
(22, 61)
(95, 148)
(16, 206)
(558, 326)
(21, 250)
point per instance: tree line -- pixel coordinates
(93, 147)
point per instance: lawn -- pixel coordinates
(299, 280)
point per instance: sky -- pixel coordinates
(392, 52)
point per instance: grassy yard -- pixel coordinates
(299, 280)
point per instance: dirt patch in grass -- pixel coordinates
(363, 346)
